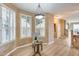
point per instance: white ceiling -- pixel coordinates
(63, 9)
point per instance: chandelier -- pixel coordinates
(39, 13)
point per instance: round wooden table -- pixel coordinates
(37, 47)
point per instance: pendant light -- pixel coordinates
(39, 13)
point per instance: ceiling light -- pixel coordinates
(39, 13)
(39, 17)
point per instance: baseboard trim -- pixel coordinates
(17, 48)
(20, 47)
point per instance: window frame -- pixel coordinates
(26, 25)
(41, 27)
(13, 13)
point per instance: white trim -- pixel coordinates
(24, 45)
(11, 51)
(50, 42)
(20, 47)
(17, 48)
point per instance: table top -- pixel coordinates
(40, 42)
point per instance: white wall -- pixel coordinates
(71, 19)
(51, 29)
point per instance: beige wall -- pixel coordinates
(4, 49)
(62, 26)
(23, 41)
(57, 22)
(18, 41)
(50, 28)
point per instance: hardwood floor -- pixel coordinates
(58, 48)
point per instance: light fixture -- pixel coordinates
(39, 13)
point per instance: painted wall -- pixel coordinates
(4, 49)
(18, 41)
(51, 29)
(57, 22)
(62, 27)
(71, 19)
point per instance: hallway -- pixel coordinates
(24, 24)
(58, 48)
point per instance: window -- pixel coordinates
(75, 29)
(40, 27)
(26, 27)
(7, 25)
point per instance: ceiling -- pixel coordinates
(62, 9)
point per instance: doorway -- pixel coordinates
(55, 31)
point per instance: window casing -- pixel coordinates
(40, 27)
(7, 25)
(26, 26)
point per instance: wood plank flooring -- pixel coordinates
(58, 48)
